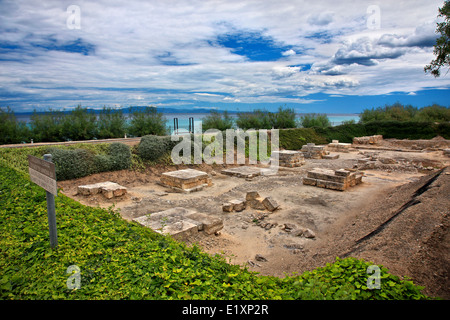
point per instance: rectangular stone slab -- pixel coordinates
(209, 224)
(242, 172)
(180, 223)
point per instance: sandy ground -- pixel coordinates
(329, 214)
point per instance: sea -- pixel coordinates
(184, 119)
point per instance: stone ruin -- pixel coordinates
(311, 151)
(337, 146)
(252, 200)
(446, 152)
(108, 189)
(186, 180)
(333, 179)
(181, 223)
(289, 158)
(368, 139)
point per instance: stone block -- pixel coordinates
(256, 203)
(309, 181)
(342, 172)
(251, 195)
(335, 180)
(227, 207)
(270, 204)
(330, 156)
(208, 224)
(238, 205)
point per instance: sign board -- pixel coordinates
(43, 174)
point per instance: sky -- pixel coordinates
(312, 56)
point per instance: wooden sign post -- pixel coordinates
(42, 172)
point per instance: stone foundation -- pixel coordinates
(336, 146)
(289, 158)
(368, 139)
(333, 179)
(181, 223)
(186, 181)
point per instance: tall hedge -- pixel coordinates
(294, 139)
(408, 129)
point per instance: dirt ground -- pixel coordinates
(338, 219)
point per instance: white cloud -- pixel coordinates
(164, 52)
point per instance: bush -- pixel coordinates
(77, 163)
(120, 156)
(152, 147)
(72, 164)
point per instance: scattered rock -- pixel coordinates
(227, 207)
(253, 264)
(288, 227)
(238, 205)
(308, 233)
(270, 204)
(252, 195)
(261, 258)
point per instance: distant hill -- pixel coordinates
(126, 110)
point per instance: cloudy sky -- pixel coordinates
(314, 56)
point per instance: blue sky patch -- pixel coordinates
(253, 45)
(75, 46)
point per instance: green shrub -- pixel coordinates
(120, 156)
(102, 163)
(152, 147)
(72, 164)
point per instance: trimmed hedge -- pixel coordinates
(77, 163)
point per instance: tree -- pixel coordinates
(314, 120)
(111, 123)
(442, 46)
(148, 120)
(11, 130)
(217, 120)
